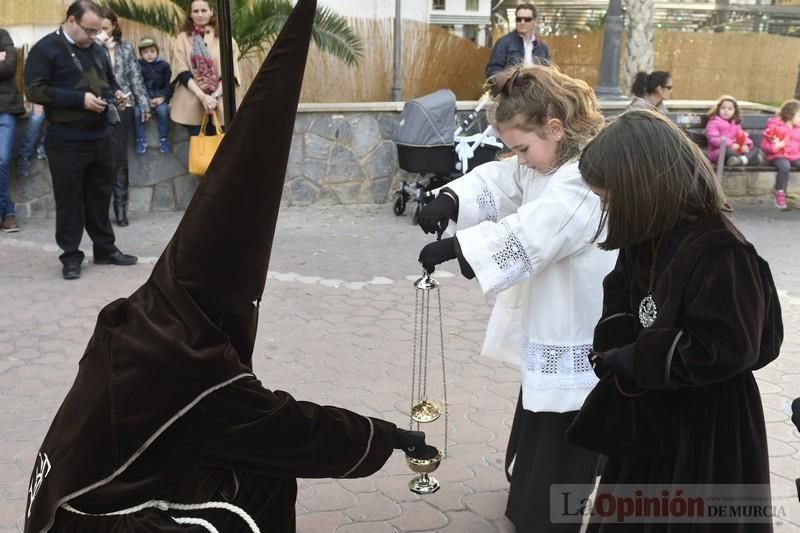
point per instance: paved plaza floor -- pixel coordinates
(336, 328)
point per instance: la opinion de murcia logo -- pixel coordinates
(43, 468)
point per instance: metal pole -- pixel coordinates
(398, 46)
(227, 59)
(608, 81)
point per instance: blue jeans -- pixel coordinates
(8, 124)
(162, 112)
(31, 135)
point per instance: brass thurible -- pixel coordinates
(423, 409)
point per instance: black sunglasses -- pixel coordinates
(524, 19)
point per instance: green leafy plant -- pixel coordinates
(254, 24)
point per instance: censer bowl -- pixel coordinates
(425, 411)
(424, 466)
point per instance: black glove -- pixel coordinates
(436, 253)
(434, 217)
(618, 360)
(413, 444)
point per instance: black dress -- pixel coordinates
(691, 412)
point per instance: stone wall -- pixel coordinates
(336, 158)
(341, 154)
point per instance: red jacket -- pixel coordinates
(777, 129)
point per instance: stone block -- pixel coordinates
(347, 193)
(735, 184)
(332, 127)
(302, 122)
(344, 167)
(140, 199)
(302, 192)
(154, 167)
(35, 185)
(42, 207)
(381, 163)
(375, 191)
(760, 183)
(388, 124)
(163, 197)
(316, 147)
(181, 152)
(366, 134)
(296, 153)
(184, 190)
(315, 171)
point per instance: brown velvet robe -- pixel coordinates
(696, 415)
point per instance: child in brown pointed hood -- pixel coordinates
(166, 426)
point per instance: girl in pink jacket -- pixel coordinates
(724, 120)
(781, 143)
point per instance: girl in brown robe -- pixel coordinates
(689, 311)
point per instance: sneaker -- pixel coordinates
(780, 199)
(40, 153)
(744, 160)
(164, 148)
(141, 146)
(10, 224)
(733, 161)
(23, 167)
(727, 208)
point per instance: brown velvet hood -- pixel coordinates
(190, 329)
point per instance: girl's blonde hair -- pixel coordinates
(737, 114)
(527, 97)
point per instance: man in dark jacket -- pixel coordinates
(10, 107)
(71, 76)
(519, 46)
(157, 75)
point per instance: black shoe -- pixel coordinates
(71, 270)
(117, 258)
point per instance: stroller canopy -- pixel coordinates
(428, 120)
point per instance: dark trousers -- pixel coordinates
(783, 166)
(82, 173)
(121, 139)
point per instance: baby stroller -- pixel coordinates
(429, 144)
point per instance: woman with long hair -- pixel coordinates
(129, 77)
(197, 69)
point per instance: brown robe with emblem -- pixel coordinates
(692, 413)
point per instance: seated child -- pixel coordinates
(724, 120)
(156, 73)
(781, 143)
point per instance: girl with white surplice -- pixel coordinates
(524, 230)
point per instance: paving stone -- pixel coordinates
(371, 508)
(329, 497)
(419, 516)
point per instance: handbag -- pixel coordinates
(202, 147)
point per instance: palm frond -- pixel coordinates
(163, 17)
(255, 25)
(333, 34)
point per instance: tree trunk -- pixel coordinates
(639, 48)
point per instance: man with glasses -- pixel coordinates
(71, 76)
(519, 46)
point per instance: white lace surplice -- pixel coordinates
(526, 235)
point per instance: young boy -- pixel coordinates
(156, 73)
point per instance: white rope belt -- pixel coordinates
(166, 506)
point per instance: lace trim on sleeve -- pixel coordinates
(512, 259)
(487, 205)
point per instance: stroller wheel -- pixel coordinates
(399, 206)
(415, 214)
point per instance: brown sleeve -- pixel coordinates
(179, 59)
(721, 326)
(250, 427)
